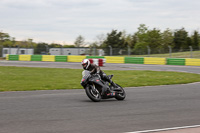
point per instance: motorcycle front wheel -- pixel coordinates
(93, 93)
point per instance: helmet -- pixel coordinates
(85, 63)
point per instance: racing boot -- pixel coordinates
(116, 88)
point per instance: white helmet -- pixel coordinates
(85, 63)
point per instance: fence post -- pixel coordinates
(170, 51)
(110, 50)
(32, 47)
(61, 50)
(94, 50)
(9, 49)
(47, 49)
(18, 49)
(26, 52)
(191, 49)
(149, 50)
(1, 51)
(129, 51)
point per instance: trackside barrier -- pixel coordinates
(48, 58)
(107, 59)
(24, 57)
(74, 58)
(7, 57)
(175, 61)
(13, 57)
(60, 58)
(98, 62)
(95, 57)
(36, 57)
(111, 59)
(192, 62)
(155, 61)
(134, 60)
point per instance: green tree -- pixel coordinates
(154, 40)
(140, 48)
(189, 41)
(129, 39)
(142, 33)
(80, 41)
(30, 43)
(5, 40)
(180, 39)
(167, 39)
(41, 48)
(134, 40)
(55, 45)
(68, 46)
(114, 39)
(195, 40)
(4, 37)
(7, 43)
(142, 39)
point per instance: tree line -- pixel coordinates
(7, 41)
(144, 38)
(155, 39)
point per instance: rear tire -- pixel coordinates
(93, 94)
(120, 95)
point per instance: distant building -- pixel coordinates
(69, 51)
(16, 51)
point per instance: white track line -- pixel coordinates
(165, 129)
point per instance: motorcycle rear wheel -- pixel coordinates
(93, 94)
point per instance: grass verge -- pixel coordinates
(26, 78)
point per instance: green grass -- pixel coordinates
(25, 78)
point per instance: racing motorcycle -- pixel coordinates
(98, 89)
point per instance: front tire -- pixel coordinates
(120, 95)
(93, 94)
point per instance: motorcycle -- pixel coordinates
(97, 89)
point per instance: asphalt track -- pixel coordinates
(70, 111)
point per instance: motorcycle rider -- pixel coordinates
(93, 68)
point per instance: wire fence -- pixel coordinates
(150, 52)
(108, 51)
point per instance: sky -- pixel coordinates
(62, 21)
